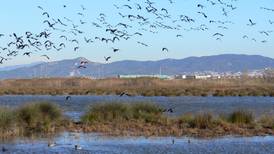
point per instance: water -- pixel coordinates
(75, 107)
(93, 143)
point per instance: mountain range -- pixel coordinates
(69, 68)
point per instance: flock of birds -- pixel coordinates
(144, 17)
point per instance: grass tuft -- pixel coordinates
(109, 112)
(202, 121)
(241, 117)
(7, 119)
(39, 117)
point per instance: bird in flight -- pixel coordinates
(46, 13)
(27, 54)
(40, 7)
(200, 6)
(107, 58)
(251, 23)
(165, 49)
(218, 34)
(46, 56)
(125, 94)
(81, 66)
(76, 48)
(115, 49)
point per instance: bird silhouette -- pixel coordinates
(218, 34)
(125, 94)
(200, 6)
(165, 49)
(4, 149)
(251, 23)
(68, 98)
(81, 66)
(107, 58)
(46, 14)
(77, 147)
(40, 7)
(46, 56)
(27, 54)
(115, 49)
(76, 48)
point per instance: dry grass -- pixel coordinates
(145, 120)
(267, 121)
(142, 86)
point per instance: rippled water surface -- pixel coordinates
(92, 143)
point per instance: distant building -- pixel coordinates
(198, 77)
(144, 76)
(203, 77)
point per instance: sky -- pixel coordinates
(19, 16)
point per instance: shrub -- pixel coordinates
(202, 121)
(109, 112)
(241, 117)
(41, 117)
(7, 119)
(146, 111)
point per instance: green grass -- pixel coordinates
(108, 112)
(39, 117)
(241, 117)
(7, 119)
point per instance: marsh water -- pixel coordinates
(95, 143)
(77, 105)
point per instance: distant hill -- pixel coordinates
(218, 63)
(8, 68)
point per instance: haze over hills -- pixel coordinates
(8, 68)
(67, 68)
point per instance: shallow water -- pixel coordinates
(93, 143)
(75, 107)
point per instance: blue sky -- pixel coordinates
(21, 16)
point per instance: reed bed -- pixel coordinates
(141, 86)
(133, 119)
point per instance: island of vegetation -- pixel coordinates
(129, 119)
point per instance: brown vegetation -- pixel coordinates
(147, 120)
(134, 119)
(141, 86)
(33, 118)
